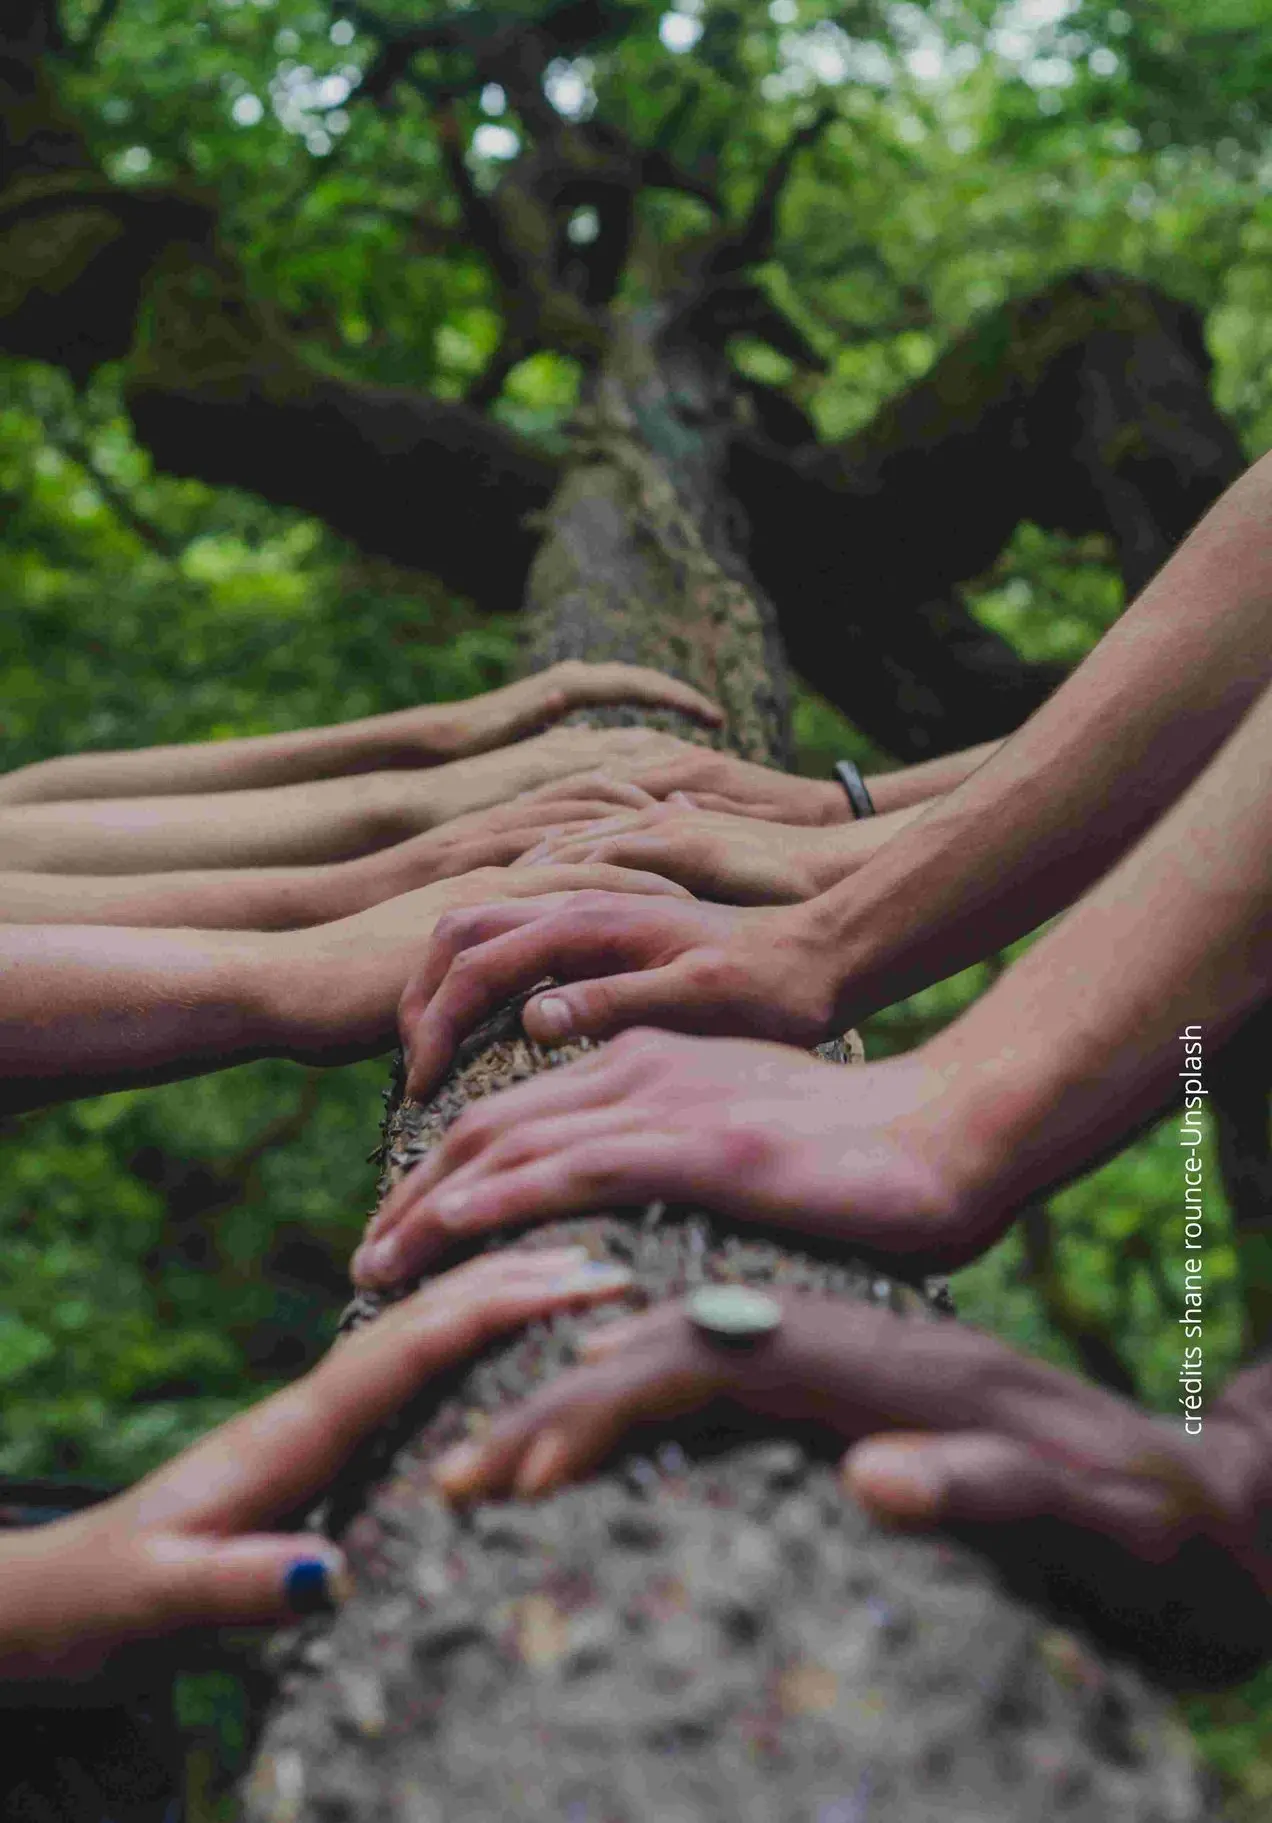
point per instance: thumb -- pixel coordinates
(245, 1581)
(665, 997)
(916, 1478)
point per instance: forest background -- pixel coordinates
(167, 1255)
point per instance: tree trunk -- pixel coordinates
(709, 1630)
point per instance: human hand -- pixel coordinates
(331, 991)
(451, 731)
(739, 859)
(190, 1545)
(697, 778)
(566, 757)
(876, 1156)
(1155, 1540)
(704, 968)
(494, 837)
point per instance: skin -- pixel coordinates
(325, 820)
(143, 1006)
(739, 859)
(191, 1545)
(953, 1428)
(1024, 836)
(1073, 1048)
(423, 736)
(704, 780)
(290, 898)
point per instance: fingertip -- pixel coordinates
(550, 1019)
(458, 1472)
(895, 1480)
(543, 1466)
(317, 1585)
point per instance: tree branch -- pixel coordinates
(1085, 408)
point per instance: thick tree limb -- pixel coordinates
(1085, 408)
(708, 1636)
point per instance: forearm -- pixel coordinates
(1079, 1042)
(84, 1010)
(1068, 794)
(248, 898)
(292, 825)
(375, 742)
(915, 785)
(832, 855)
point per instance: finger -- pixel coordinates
(596, 876)
(595, 786)
(288, 1447)
(671, 997)
(569, 1427)
(189, 1581)
(586, 1082)
(620, 683)
(475, 1197)
(472, 974)
(608, 1160)
(714, 800)
(918, 1478)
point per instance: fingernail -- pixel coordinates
(379, 1260)
(594, 1275)
(457, 1467)
(896, 1480)
(541, 1464)
(553, 1016)
(449, 1207)
(313, 1586)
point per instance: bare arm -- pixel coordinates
(423, 736)
(929, 1154)
(290, 898)
(1077, 785)
(932, 779)
(1022, 838)
(87, 1009)
(298, 825)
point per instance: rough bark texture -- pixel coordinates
(707, 1632)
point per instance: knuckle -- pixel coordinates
(451, 929)
(717, 975)
(746, 1151)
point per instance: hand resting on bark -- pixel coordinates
(1157, 1540)
(928, 1155)
(198, 1543)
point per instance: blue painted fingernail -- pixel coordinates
(313, 1587)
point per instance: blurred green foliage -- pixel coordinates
(168, 1254)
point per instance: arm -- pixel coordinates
(1071, 791)
(328, 820)
(928, 1154)
(1019, 840)
(87, 1009)
(290, 898)
(742, 860)
(422, 736)
(1071, 1490)
(192, 1544)
(914, 785)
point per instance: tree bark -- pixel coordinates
(708, 1630)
